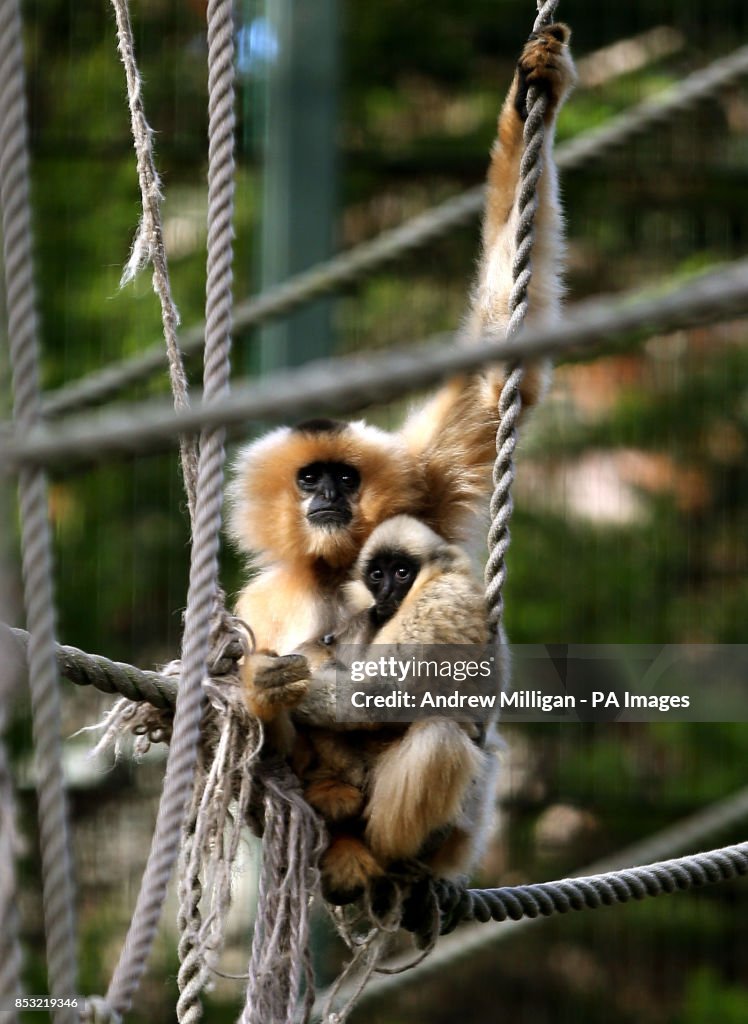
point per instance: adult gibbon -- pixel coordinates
(391, 791)
(305, 499)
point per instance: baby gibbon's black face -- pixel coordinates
(388, 577)
(328, 489)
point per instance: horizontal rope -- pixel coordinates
(458, 904)
(95, 670)
(473, 938)
(415, 233)
(348, 384)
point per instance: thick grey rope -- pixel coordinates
(510, 400)
(350, 384)
(367, 257)
(10, 949)
(11, 677)
(192, 967)
(95, 670)
(57, 871)
(203, 588)
(458, 904)
(108, 676)
(148, 246)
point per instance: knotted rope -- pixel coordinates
(57, 882)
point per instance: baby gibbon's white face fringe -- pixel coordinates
(412, 537)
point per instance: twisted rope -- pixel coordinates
(10, 950)
(367, 257)
(204, 593)
(57, 881)
(203, 587)
(148, 246)
(459, 905)
(95, 670)
(501, 504)
(473, 939)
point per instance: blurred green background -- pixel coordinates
(631, 520)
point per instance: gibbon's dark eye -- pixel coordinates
(328, 639)
(308, 477)
(403, 573)
(376, 575)
(349, 479)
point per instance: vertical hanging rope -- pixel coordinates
(148, 246)
(510, 401)
(10, 950)
(218, 308)
(57, 884)
(203, 587)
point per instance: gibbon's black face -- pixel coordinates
(328, 489)
(388, 577)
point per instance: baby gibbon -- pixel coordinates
(394, 791)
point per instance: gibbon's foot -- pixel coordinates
(545, 63)
(346, 869)
(334, 800)
(274, 684)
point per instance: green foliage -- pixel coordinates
(708, 999)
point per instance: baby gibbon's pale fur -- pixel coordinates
(403, 790)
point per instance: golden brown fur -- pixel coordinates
(401, 791)
(545, 63)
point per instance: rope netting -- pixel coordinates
(217, 776)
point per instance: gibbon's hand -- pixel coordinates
(546, 64)
(274, 684)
